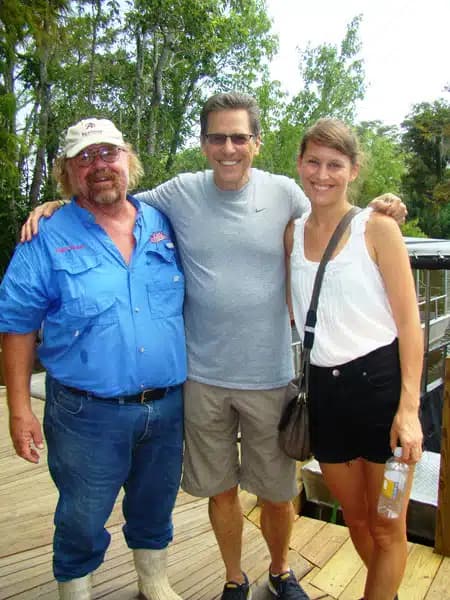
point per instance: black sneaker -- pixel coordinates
(286, 587)
(237, 591)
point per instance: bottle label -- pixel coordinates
(391, 489)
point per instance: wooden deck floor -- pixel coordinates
(322, 554)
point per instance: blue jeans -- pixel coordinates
(94, 448)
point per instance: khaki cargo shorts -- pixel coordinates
(213, 418)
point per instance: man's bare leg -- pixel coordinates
(277, 519)
(226, 518)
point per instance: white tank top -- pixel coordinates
(354, 316)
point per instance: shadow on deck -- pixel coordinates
(321, 553)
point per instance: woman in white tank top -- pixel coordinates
(366, 360)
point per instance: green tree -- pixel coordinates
(426, 141)
(184, 51)
(383, 164)
(333, 81)
(13, 22)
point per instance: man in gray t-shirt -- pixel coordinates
(229, 224)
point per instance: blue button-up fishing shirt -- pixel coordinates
(108, 327)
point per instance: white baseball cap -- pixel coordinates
(91, 131)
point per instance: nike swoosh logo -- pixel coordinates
(260, 209)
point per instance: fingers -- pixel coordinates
(411, 450)
(31, 226)
(409, 437)
(411, 454)
(27, 438)
(27, 450)
(396, 209)
(391, 205)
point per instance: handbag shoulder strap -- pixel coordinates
(311, 316)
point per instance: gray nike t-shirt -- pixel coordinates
(231, 246)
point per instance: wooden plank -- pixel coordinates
(440, 587)
(335, 576)
(325, 543)
(312, 591)
(442, 536)
(355, 589)
(303, 531)
(421, 568)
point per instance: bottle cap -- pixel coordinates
(398, 452)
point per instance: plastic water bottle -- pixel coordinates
(395, 476)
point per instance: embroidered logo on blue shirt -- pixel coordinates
(67, 248)
(158, 236)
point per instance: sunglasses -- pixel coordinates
(108, 154)
(237, 139)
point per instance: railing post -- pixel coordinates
(442, 538)
(2, 377)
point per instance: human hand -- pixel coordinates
(26, 435)
(406, 431)
(391, 205)
(31, 225)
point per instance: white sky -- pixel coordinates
(405, 47)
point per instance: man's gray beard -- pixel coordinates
(106, 198)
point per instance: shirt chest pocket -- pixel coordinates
(84, 296)
(165, 287)
(76, 275)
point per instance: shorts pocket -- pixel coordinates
(383, 379)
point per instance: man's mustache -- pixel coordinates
(94, 176)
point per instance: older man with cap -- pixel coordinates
(105, 281)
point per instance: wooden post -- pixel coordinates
(2, 378)
(442, 538)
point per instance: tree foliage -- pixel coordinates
(149, 65)
(146, 64)
(426, 143)
(383, 162)
(333, 81)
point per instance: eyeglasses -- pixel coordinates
(108, 154)
(237, 139)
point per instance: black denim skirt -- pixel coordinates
(353, 405)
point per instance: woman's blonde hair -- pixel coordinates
(333, 134)
(61, 176)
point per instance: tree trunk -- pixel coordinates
(140, 51)
(175, 141)
(44, 103)
(95, 26)
(155, 102)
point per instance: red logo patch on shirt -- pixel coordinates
(67, 248)
(158, 236)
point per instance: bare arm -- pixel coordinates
(25, 429)
(389, 251)
(288, 245)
